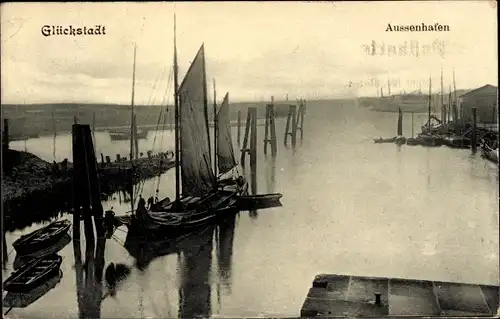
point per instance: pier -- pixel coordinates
(343, 295)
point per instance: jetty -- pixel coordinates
(334, 295)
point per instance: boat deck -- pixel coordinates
(339, 295)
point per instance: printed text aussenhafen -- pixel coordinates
(418, 27)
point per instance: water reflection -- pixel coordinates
(195, 289)
(89, 276)
(224, 242)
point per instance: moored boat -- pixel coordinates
(248, 202)
(121, 136)
(412, 141)
(201, 200)
(384, 140)
(42, 238)
(33, 274)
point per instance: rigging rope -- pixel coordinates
(139, 189)
(141, 183)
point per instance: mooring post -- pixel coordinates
(76, 176)
(244, 148)
(270, 132)
(5, 135)
(5, 255)
(291, 119)
(287, 127)
(301, 119)
(253, 142)
(266, 132)
(272, 122)
(474, 137)
(294, 124)
(239, 127)
(86, 184)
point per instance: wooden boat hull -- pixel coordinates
(384, 140)
(118, 136)
(170, 223)
(431, 140)
(23, 300)
(20, 261)
(33, 274)
(42, 238)
(250, 202)
(400, 140)
(412, 141)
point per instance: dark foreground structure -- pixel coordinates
(339, 295)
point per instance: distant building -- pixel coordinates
(484, 99)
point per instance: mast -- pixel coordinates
(455, 95)
(177, 120)
(93, 130)
(442, 92)
(54, 139)
(215, 136)
(388, 87)
(450, 108)
(430, 96)
(132, 109)
(412, 125)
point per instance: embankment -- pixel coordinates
(34, 190)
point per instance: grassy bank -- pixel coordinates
(32, 190)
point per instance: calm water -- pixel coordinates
(349, 207)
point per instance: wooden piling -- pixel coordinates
(291, 119)
(87, 195)
(5, 255)
(253, 145)
(474, 136)
(250, 131)
(270, 129)
(239, 127)
(300, 119)
(5, 136)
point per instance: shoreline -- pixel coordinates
(33, 189)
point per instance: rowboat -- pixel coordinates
(42, 238)
(247, 202)
(33, 274)
(23, 300)
(120, 136)
(20, 261)
(384, 140)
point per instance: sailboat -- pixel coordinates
(201, 201)
(400, 139)
(225, 160)
(427, 138)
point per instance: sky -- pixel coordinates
(311, 50)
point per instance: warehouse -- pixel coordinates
(485, 100)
